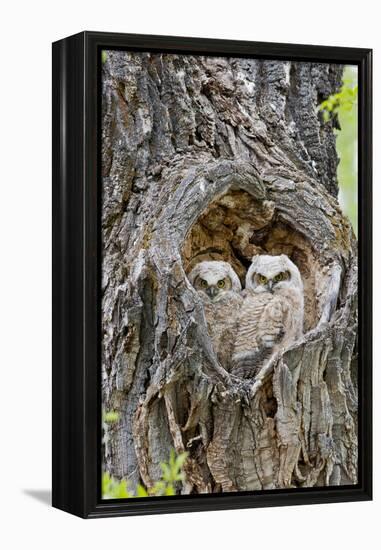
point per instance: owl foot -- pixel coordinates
(263, 373)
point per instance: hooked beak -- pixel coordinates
(212, 292)
(270, 286)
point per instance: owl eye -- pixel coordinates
(262, 279)
(221, 283)
(278, 277)
(204, 283)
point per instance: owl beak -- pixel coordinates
(212, 291)
(270, 286)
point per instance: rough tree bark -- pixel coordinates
(222, 158)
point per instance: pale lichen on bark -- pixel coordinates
(221, 158)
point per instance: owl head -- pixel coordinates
(214, 279)
(273, 273)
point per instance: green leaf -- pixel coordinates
(121, 490)
(171, 474)
(166, 471)
(326, 116)
(345, 99)
(170, 490)
(141, 491)
(180, 460)
(110, 417)
(106, 481)
(112, 488)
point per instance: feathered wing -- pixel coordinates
(261, 326)
(273, 322)
(221, 319)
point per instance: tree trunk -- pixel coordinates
(223, 158)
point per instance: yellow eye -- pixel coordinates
(204, 284)
(221, 283)
(278, 277)
(262, 279)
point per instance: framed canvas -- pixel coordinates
(211, 274)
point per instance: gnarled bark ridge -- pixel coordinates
(222, 158)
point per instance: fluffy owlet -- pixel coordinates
(219, 287)
(271, 316)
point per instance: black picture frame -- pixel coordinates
(76, 272)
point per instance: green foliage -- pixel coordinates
(112, 488)
(345, 100)
(171, 474)
(344, 106)
(104, 57)
(109, 417)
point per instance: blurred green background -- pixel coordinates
(347, 149)
(344, 106)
